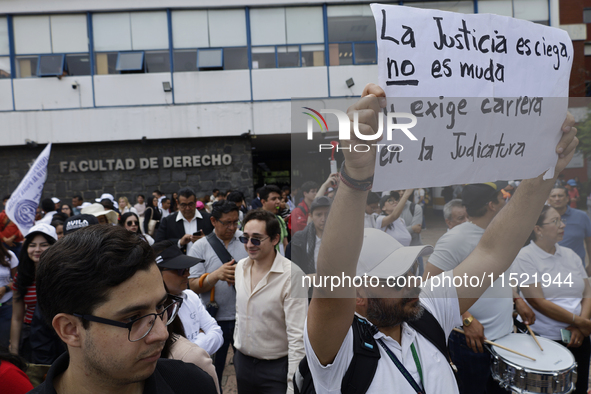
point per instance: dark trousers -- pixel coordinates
(5, 320)
(220, 356)
(581, 354)
(255, 376)
(474, 375)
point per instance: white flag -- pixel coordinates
(22, 206)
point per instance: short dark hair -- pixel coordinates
(85, 265)
(268, 190)
(164, 200)
(272, 226)
(79, 197)
(235, 196)
(159, 247)
(479, 212)
(372, 198)
(186, 192)
(47, 205)
(6, 197)
(309, 185)
(219, 208)
(157, 192)
(215, 190)
(284, 188)
(140, 195)
(57, 222)
(561, 188)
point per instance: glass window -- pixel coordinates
(31, 34)
(267, 26)
(288, 56)
(350, 23)
(149, 30)
(106, 63)
(4, 48)
(4, 67)
(190, 29)
(464, 7)
(112, 32)
(227, 28)
(157, 62)
(304, 25)
(341, 54)
(185, 60)
(26, 66)
(235, 58)
(586, 15)
(365, 53)
(69, 33)
(50, 65)
(531, 10)
(78, 64)
(130, 61)
(263, 57)
(497, 7)
(210, 59)
(312, 55)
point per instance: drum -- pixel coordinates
(554, 371)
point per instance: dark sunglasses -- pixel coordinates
(179, 271)
(132, 223)
(254, 241)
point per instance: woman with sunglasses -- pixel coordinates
(39, 238)
(389, 220)
(131, 222)
(539, 267)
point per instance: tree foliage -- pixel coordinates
(584, 134)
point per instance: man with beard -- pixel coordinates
(407, 359)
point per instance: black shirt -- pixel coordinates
(170, 377)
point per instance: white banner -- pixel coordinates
(489, 94)
(22, 206)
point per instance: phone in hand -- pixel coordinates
(198, 233)
(565, 335)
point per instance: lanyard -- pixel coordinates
(403, 370)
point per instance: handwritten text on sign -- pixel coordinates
(473, 82)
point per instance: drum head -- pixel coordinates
(555, 357)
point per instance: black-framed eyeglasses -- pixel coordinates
(179, 271)
(254, 241)
(188, 205)
(139, 328)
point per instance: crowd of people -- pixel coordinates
(150, 297)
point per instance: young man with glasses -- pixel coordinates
(214, 279)
(104, 296)
(269, 317)
(188, 225)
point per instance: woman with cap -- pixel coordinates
(39, 238)
(389, 220)
(131, 222)
(559, 306)
(200, 327)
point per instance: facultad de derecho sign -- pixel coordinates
(145, 163)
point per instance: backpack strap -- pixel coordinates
(364, 363)
(219, 249)
(429, 327)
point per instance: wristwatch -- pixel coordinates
(468, 321)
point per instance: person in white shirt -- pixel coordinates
(269, 317)
(349, 253)
(372, 209)
(200, 328)
(390, 221)
(48, 207)
(560, 306)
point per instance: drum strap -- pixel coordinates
(401, 367)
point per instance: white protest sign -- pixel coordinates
(22, 206)
(489, 94)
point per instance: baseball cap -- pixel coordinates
(43, 228)
(320, 202)
(478, 195)
(97, 209)
(77, 222)
(572, 182)
(383, 256)
(173, 258)
(55, 200)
